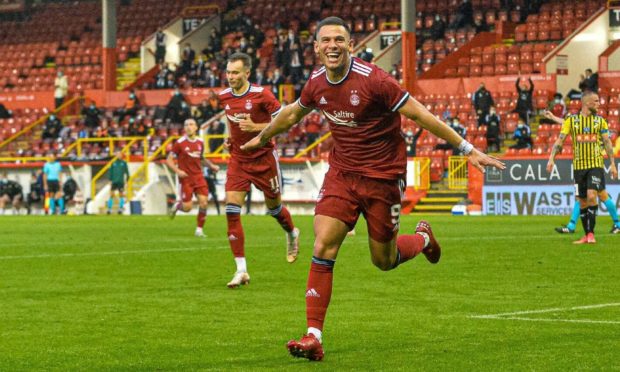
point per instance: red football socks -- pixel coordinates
(236, 238)
(283, 216)
(202, 216)
(319, 291)
(409, 246)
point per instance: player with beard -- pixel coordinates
(362, 104)
(249, 109)
(588, 130)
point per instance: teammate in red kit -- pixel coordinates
(249, 109)
(362, 104)
(189, 151)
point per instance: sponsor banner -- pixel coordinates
(534, 172)
(537, 200)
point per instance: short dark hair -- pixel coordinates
(247, 61)
(332, 21)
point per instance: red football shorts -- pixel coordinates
(345, 195)
(190, 185)
(263, 172)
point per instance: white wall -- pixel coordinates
(583, 50)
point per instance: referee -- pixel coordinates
(51, 184)
(587, 130)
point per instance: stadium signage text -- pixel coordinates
(534, 172)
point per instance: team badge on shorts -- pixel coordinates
(355, 99)
(248, 105)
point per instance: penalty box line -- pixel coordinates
(516, 314)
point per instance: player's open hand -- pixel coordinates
(548, 114)
(480, 160)
(215, 168)
(182, 174)
(614, 171)
(550, 165)
(252, 144)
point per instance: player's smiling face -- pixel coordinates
(237, 75)
(334, 46)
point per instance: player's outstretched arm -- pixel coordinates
(209, 164)
(549, 115)
(289, 116)
(415, 111)
(557, 147)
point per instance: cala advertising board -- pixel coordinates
(526, 188)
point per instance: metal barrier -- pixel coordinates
(313, 145)
(77, 145)
(421, 173)
(457, 173)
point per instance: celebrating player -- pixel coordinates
(249, 109)
(587, 130)
(602, 195)
(189, 151)
(362, 104)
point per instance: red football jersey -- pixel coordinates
(262, 106)
(362, 111)
(189, 155)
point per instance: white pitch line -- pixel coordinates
(589, 321)
(553, 310)
(110, 253)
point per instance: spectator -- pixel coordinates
(464, 15)
(480, 25)
(91, 116)
(10, 195)
(36, 193)
(174, 106)
(278, 80)
(216, 128)
(260, 78)
(557, 107)
(589, 82)
(204, 112)
(411, 141)
(366, 55)
(69, 191)
(522, 135)
(61, 87)
(52, 127)
(483, 100)
(438, 28)
(160, 47)
(296, 62)
(187, 58)
(524, 101)
(211, 79)
(4, 113)
(492, 121)
(131, 107)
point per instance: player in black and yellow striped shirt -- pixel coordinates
(587, 130)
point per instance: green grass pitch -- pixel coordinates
(142, 293)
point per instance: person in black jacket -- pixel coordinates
(524, 101)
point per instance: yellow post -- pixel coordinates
(457, 173)
(312, 146)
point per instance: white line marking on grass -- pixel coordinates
(110, 253)
(550, 320)
(511, 315)
(553, 310)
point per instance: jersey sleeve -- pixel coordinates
(566, 126)
(306, 99)
(270, 103)
(175, 148)
(604, 126)
(392, 95)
